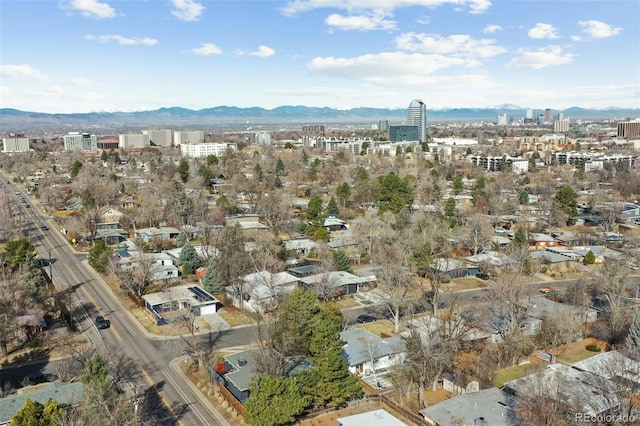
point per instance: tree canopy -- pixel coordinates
(274, 401)
(394, 193)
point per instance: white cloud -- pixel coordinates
(576, 38)
(263, 52)
(207, 49)
(381, 7)
(457, 44)
(125, 41)
(490, 29)
(541, 58)
(360, 22)
(597, 29)
(22, 71)
(384, 68)
(187, 10)
(5, 91)
(93, 8)
(80, 81)
(541, 30)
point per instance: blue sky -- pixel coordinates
(63, 56)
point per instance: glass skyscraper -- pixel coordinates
(417, 116)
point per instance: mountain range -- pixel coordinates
(229, 117)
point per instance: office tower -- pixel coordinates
(548, 115)
(629, 129)
(383, 125)
(15, 142)
(561, 126)
(417, 116)
(76, 141)
(403, 133)
(560, 116)
(529, 113)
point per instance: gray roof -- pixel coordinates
(379, 417)
(356, 340)
(589, 393)
(611, 365)
(493, 405)
(242, 374)
(336, 279)
(64, 393)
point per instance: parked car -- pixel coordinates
(102, 323)
(37, 378)
(364, 318)
(482, 276)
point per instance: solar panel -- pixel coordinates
(201, 295)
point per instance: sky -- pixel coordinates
(77, 56)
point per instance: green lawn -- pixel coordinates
(575, 356)
(512, 373)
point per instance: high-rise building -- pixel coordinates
(383, 125)
(403, 133)
(133, 140)
(15, 142)
(561, 126)
(548, 115)
(159, 137)
(529, 114)
(629, 129)
(417, 116)
(76, 141)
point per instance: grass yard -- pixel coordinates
(381, 327)
(512, 373)
(234, 316)
(466, 284)
(575, 352)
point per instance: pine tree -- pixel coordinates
(31, 414)
(520, 238)
(633, 339)
(274, 401)
(187, 254)
(590, 258)
(329, 383)
(211, 282)
(279, 166)
(181, 239)
(341, 261)
(183, 170)
(332, 207)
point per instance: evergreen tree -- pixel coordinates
(295, 321)
(567, 200)
(332, 207)
(343, 192)
(394, 193)
(99, 256)
(329, 383)
(320, 234)
(211, 282)
(633, 338)
(590, 258)
(450, 208)
(95, 371)
(520, 238)
(34, 413)
(75, 168)
(314, 209)
(188, 254)
(183, 170)
(422, 259)
(181, 239)
(18, 252)
(212, 160)
(274, 401)
(187, 268)
(104, 156)
(341, 261)
(279, 166)
(277, 182)
(457, 184)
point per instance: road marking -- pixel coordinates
(92, 301)
(185, 397)
(162, 398)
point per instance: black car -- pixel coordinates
(102, 323)
(364, 318)
(37, 378)
(45, 228)
(483, 276)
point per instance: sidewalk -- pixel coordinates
(175, 366)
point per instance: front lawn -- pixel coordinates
(512, 373)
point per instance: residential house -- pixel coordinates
(159, 233)
(379, 417)
(246, 221)
(368, 353)
(539, 240)
(161, 265)
(66, 394)
(452, 268)
(260, 290)
(337, 283)
(236, 372)
(542, 308)
(615, 366)
(188, 298)
(301, 246)
(204, 252)
(332, 224)
(109, 215)
(583, 392)
(487, 407)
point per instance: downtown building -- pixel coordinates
(133, 140)
(159, 137)
(629, 129)
(417, 116)
(75, 141)
(15, 142)
(198, 150)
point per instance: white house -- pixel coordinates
(368, 353)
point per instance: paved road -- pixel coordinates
(164, 390)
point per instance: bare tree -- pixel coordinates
(477, 234)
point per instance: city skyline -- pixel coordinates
(77, 56)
